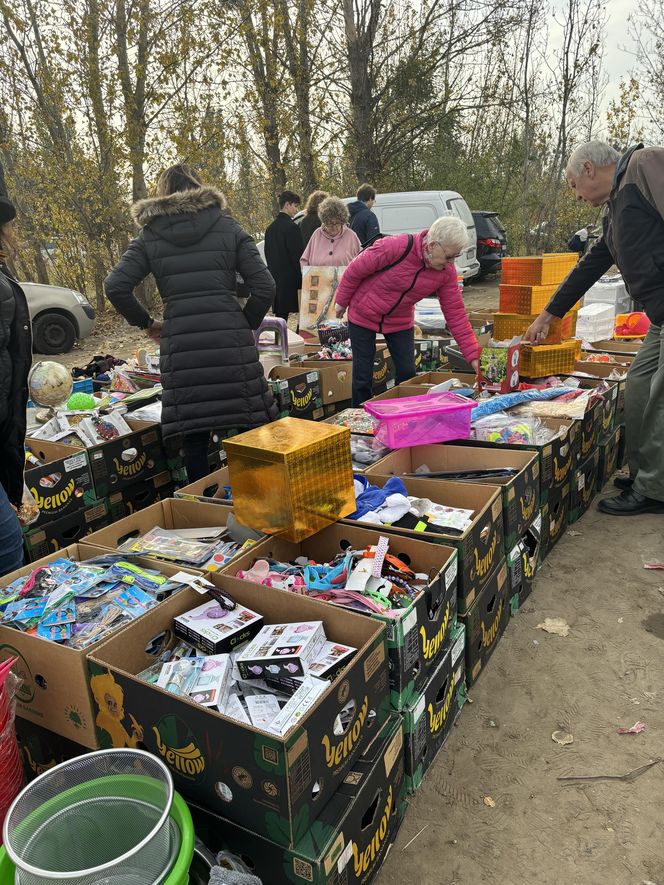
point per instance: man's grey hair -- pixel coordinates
(599, 153)
(449, 231)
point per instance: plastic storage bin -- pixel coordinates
(595, 322)
(507, 325)
(538, 270)
(555, 359)
(421, 420)
(610, 292)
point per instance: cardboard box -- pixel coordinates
(273, 784)
(556, 457)
(60, 533)
(211, 489)
(583, 487)
(298, 392)
(42, 749)
(128, 460)
(485, 622)
(613, 406)
(480, 547)
(430, 353)
(609, 453)
(590, 426)
(522, 563)
(336, 378)
(603, 372)
(137, 497)
(520, 493)
(606, 408)
(168, 514)
(347, 843)
(64, 482)
(55, 693)
(428, 721)
(384, 374)
(419, 635)
(554, 519)
(291, 477)
(620, 348)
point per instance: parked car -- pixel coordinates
(59, 316)
(491, 242)
(413, 211)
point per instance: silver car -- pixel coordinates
(59, 316)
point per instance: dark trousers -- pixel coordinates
(11, 538)
(402, 350)
(196, 455)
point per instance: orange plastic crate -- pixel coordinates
(538, 270)
(553, 359)
(507, 325)
(526, 299)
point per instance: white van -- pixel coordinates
(413, 211)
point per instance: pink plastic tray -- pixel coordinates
(421, 420)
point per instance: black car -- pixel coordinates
(491, 242)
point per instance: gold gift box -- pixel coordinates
(292, 477)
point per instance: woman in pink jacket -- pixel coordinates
(381, 287)
(334, 244)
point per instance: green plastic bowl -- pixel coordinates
(133, 786)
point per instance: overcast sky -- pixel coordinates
(617, 61)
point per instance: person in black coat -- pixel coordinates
(311, 221)
(15, 362)
(210, 372)
(362, 220)
(283, 248)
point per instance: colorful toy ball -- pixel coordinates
(81, 402)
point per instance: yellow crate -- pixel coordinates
(526, 299)
(292, 477)
(538, 270)
(507, 325)
(540, 361)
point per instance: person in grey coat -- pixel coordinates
(210, 372)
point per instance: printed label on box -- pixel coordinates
(75, 462)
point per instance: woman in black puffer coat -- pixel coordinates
(15, 361)
(211, 376)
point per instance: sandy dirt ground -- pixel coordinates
(607, 673)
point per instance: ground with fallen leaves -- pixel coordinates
(606, 674)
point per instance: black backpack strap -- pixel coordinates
(400, 258)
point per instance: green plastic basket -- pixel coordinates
(133, 786)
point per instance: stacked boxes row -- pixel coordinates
(81, 490)
(526, 286)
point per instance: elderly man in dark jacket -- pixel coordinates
(283, 248)
(211, 375)
(631, 188)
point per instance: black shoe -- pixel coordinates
(624, 483)
(630, 503)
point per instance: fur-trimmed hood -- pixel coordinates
(179, 203)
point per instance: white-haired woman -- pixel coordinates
(334, 244)
(381, 287)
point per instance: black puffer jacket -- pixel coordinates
(15, 361)
(211, 374)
